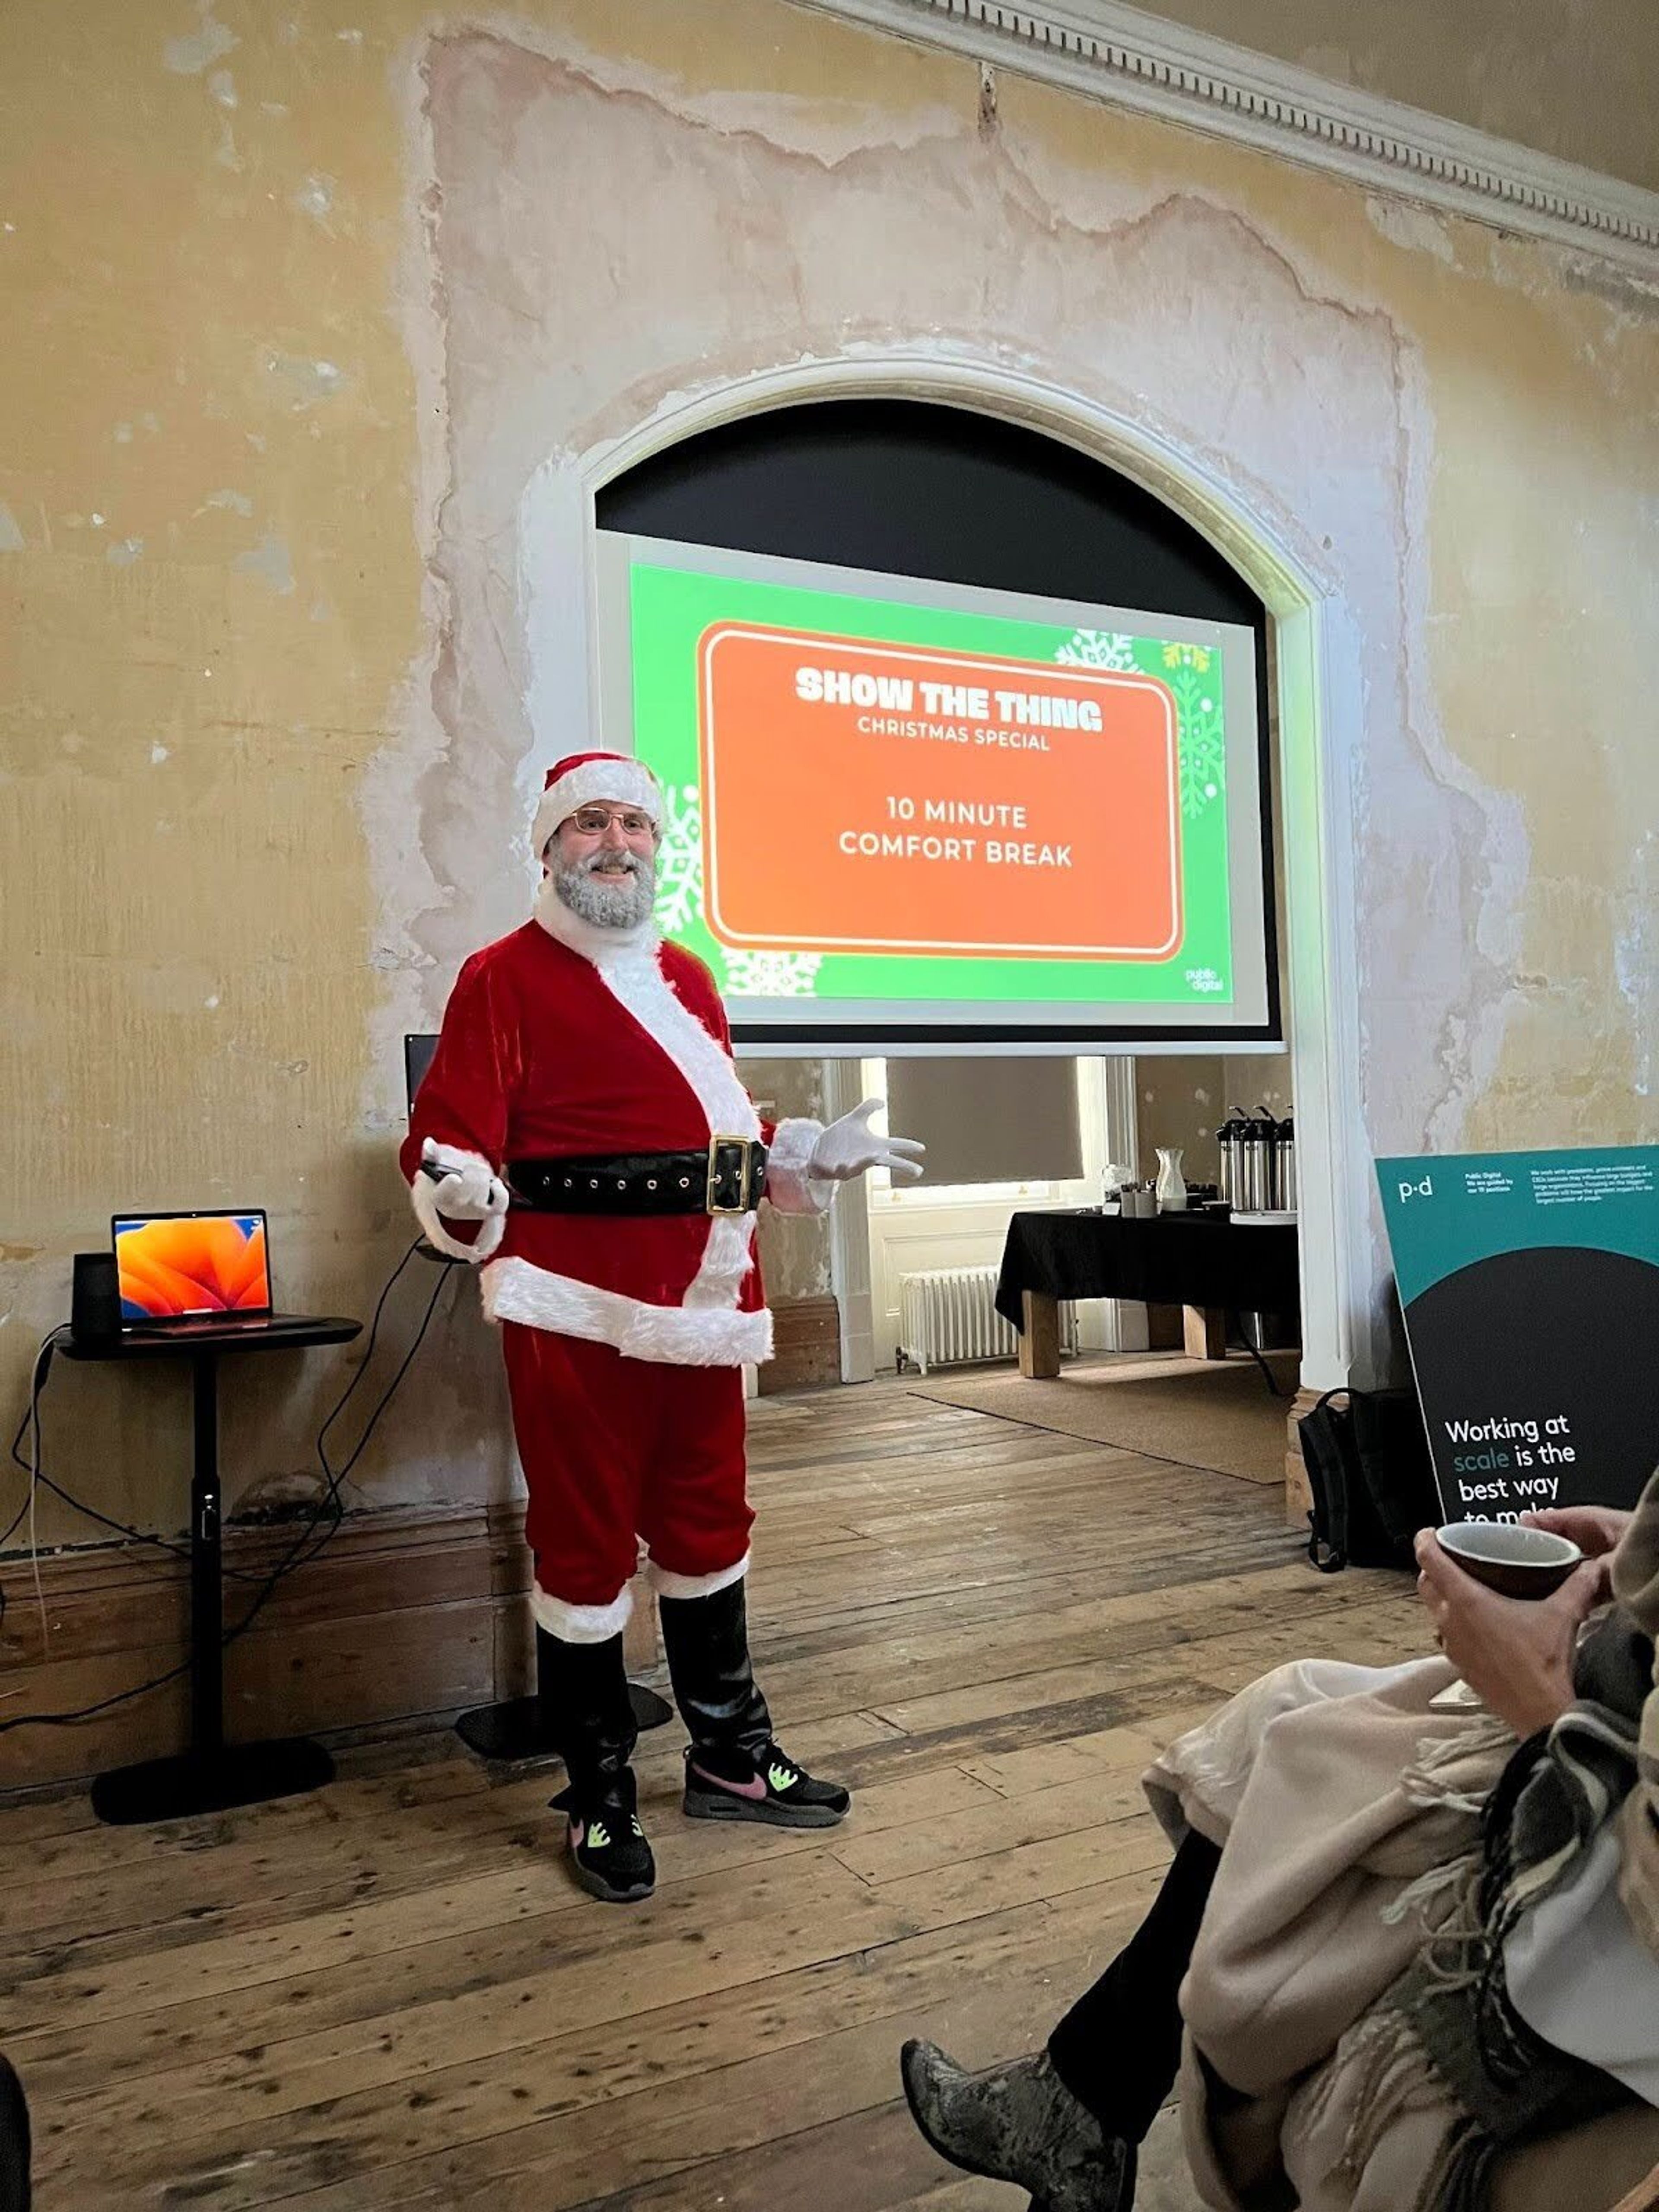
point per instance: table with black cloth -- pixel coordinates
(1207, 1264)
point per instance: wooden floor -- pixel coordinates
(389, 1994)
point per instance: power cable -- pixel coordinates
(329, 1507)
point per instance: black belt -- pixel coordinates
(729, 1178)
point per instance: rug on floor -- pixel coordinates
(1213, 1413)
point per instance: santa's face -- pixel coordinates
(603, 860)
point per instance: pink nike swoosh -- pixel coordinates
(754, 1790)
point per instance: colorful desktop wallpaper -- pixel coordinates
(214, 1263)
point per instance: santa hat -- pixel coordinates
(580, 777)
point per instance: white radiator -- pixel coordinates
(947, 1317)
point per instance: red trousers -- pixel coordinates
(617, 1450)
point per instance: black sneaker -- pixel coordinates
(769, 1788)
(608, 1854)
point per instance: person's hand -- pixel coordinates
(1515, 1653)
(1598, 1530)
(468, 1192)
(850, 1147)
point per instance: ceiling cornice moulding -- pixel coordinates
(1112, 53)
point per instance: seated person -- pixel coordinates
(1407, 1928)
(13, 2142)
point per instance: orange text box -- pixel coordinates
(890, 798)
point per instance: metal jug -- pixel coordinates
(1229, 1138)
(1255, 1164)
(1285, 1195)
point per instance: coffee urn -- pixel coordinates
(1257, 1149)
(1285, 1194)
(1229, 1138)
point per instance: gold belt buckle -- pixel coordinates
(711, 1201)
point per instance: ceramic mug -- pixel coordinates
(1517, 1562)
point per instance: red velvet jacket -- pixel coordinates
(558, 1039)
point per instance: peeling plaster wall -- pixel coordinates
(337, 306)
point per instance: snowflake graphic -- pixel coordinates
(772, 974)
(1203, 750)
(679, 860)
(1098, 648)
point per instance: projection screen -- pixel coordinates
(909, 816)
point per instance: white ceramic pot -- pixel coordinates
(1171, 1186)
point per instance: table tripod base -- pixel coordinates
(210, 1781)
(514, 1729)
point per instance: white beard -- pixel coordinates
(607, 947)
(603, 900)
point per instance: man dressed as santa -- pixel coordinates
(582, 1137)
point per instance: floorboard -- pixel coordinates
(389, 1995)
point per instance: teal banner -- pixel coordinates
(1530, 1284)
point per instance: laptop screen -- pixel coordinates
(178, 1267)
(417, 1058)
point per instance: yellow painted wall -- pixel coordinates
(216, 613)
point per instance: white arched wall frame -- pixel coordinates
(1317, 676)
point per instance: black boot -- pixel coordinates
(592, 1720)
(734, 1769)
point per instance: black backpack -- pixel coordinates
(1367, 1457)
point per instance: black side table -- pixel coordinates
(213, 1775)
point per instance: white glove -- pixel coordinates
(850, 1147)
(468, 1192)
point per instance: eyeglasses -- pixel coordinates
(594, 821)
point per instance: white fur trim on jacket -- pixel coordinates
(676, 1336)
(638, 983)
(627, 964)
(423, 1197)
(624, 782)
(581, 1624)
(635, 978)
(667, 1584)
(790, 1183)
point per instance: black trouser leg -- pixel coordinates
(584, 1692)
(706, 1640)
(1118, 2049)
(13, 2142)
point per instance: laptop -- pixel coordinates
(417, 1058)
(180, 1274)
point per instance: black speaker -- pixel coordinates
(95, 1307)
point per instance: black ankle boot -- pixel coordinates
(734, 1769)
(590, 1717)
